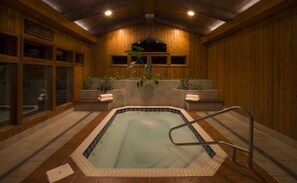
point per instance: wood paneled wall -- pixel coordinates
(178, 42)
(256, 68)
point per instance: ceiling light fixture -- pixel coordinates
(108, 13)
(191, 13)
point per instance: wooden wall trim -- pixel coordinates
(257, 13)
(44, 13)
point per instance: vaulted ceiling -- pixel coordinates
(209, 14)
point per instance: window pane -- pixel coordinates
(36, 89)
(8, 45)
(64, 85)
(179, 60)
(150, 45)
(119, 60)
(8, 75)
(37, 50)
(64, 55)
(143, 60)
(79, 58)
(159, 60)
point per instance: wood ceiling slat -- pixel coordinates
(171, 12)
(226, 5)
(98, 8)
(258, 12)
(211, 11)
(100, 29)
(99, 23)
(150, 6)
(181, 25)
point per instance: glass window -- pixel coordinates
(37, 50)
(160, 60)
(8, 45)
(179, 60)
(64, 85)
(119, 60)
(79, 58)
(37, 84)
(8, 81)
(64, 55)
(150, 45)
(142, 60)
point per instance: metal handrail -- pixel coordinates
(235, 147)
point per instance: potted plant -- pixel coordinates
(104, 85)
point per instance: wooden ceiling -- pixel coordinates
(209, 14)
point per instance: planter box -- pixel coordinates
(126, 93)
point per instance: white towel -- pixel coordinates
(192, 96)
(106, 95)
(194, 99)
(105, 99)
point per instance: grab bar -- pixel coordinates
(235, 147)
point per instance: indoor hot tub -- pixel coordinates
(134, 142)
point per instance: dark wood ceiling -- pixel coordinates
(208, 13)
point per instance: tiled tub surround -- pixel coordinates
(84, 150)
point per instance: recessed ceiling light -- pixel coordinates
(191, 13)
(108, 13)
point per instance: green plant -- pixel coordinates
(186, 85)
(87, 84)
(147, 74)
(137, 54)
(105, 84)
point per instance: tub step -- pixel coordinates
(204, 105)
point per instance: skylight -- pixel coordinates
(248, 5)
(82, 25)
(216, 25)
(51, 4)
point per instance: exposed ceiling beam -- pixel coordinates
(95, 8)
(40, 11)
(206, 9)
(169, 21)
(256, 13)
(100, 29)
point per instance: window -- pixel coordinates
(159, 60)
(178, 60)
(64, 55)
(79, 58)
(37, 87)
(143, 59)
(8, 93)
(8, 45)
(151, 45)
(37, 50)
(119, 60)
(64, 85)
